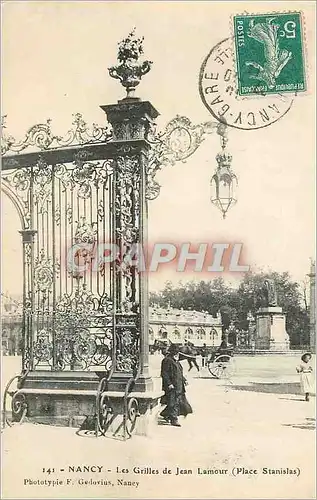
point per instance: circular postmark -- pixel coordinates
(218, 91)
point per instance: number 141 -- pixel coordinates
(48, 471)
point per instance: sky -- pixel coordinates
(55, 57)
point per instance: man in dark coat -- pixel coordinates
(204, 355)
(173, 384)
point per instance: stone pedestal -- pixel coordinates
(270, 329)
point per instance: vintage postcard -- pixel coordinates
(158, 319)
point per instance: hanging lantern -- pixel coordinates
(224, 182)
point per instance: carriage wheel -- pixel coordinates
(222, 366)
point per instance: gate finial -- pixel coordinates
(130, 69)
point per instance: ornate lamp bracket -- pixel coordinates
(178, 141)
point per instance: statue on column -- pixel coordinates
(269, 293)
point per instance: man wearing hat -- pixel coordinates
(173, 384)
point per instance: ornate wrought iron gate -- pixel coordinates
(74, 195)
(72, 204)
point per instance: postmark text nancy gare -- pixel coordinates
(219, 93)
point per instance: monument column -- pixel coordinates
(271, 333)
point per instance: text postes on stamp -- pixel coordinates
(269, 53)
(218, 91)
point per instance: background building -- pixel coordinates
(178, 325)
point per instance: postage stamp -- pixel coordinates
(269, 53)
(219, 93)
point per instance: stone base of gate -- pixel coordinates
(146, 421)
(119, 380)
(69, 399)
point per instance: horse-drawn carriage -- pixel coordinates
(220, 362)
(160, 345)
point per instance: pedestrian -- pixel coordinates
(204, 355)
(173, 385)
(224, 344)
(191, 353)
(305, 370)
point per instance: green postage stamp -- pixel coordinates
(269, 53)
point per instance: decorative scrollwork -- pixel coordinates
(19, 407)
(43, 347)
(57, 215)
(128, 348)
(64, 174)
(41, 137)
(85, 233)
(182, 138)
(102, 355)
(105, 305)
(79, 342)
(177, 142)
(153, 188)
(28, 253)
(18, 402)
(127, 209)
(83, 174)
(17, 184)
(132, 413)
(73, 312)
(84, 238)
(104, 411)
(21, 180)
(69, 213)
(82, 348)
(101, 210)
(103, 173)
(127, 149)
(44, 273)
(127, 196)
(80, 133)
(42, 177)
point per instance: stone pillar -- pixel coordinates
(131, 120)
(270, 329)
(312, 307)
